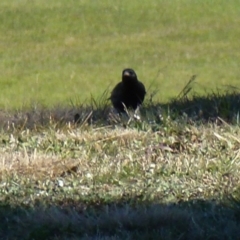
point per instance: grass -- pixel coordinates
(172, 174)
(54, 52)
(71, 168)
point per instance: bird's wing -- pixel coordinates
(117, 91)
(142, 87)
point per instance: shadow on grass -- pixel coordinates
(123, 219)
(188, 105)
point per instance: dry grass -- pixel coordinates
(161, 177)
(123, 169)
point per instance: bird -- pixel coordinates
(129, 93)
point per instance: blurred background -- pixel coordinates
(58, 52)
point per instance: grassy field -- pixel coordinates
(177, 179)
(170, 173)
(54, 52)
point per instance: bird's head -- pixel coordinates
(129, 76)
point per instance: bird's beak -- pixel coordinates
(126, 73)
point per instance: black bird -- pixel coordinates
(129, 93)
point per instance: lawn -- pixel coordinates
(171, 172)
(57, 52)
(173, 179)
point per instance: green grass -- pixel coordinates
(53, 52)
